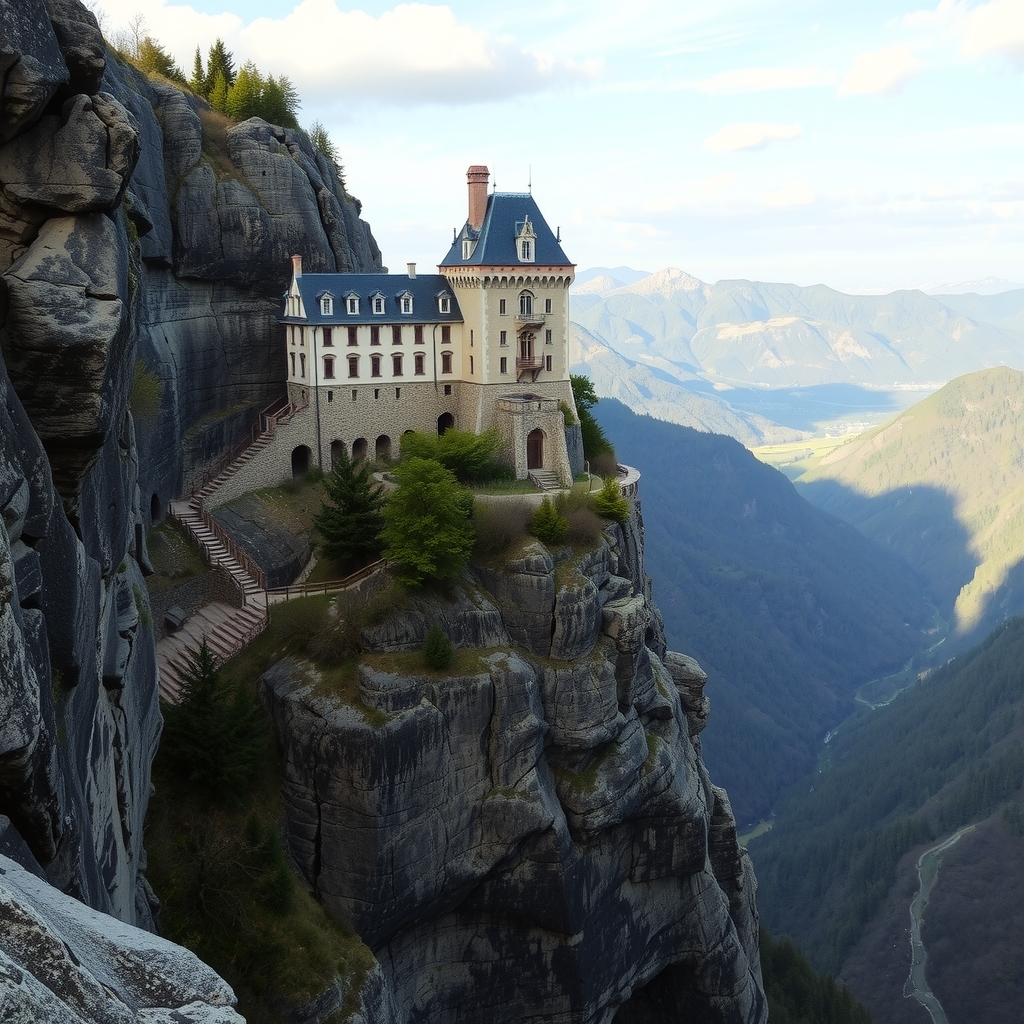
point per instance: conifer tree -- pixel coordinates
(197, 83)
(218, 95)
(547, 524)
(244, 95)
(350, 520)
(220, 61)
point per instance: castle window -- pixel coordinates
(292, 354)
(503, 337)
(353, 334)
(302, 364)
(471, 337)
(547, 337)
(418, 364)
(446, 334)
(444, 304)
(376, 393)
(525, 250)
(355, 394)
(374, 335)
(446, 362)
(547, 305)
(396, 366)
(503, 364)
(329, 367)
(398, 393)
(396, 334)
(406, 303)
(374, 366)
(501, 307)
(471, 364)
(326, 305)
(467, 248)
(330, 396)
(353, 370)
(547, 363)
(352, 304)
(328, 337)
(526, 303)
(378, 303)
(417, 334)
(447, 389)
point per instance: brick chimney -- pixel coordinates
(477, 176)
(411, 267)
(297, 266)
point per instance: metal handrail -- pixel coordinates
(530, 318)
(529, 362)
(326, 587)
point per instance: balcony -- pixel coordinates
(529, 362)
(530, 319)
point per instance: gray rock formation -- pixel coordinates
(535, 839)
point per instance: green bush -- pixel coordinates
(428, 532)
(437, 648)
(595, 443)
(471, 457)
(547, 524)
(500, 525)
(609, 502)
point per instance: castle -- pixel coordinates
(483, 343)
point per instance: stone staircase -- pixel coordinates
(199, 499)
(545, 479)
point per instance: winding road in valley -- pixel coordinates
(917, 984)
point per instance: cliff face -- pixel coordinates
(119, 241)
(534, 838)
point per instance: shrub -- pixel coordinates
(499, 526)
(609, 502)
(547, 524)
(567, 415)
(469, 456)
(605, 464)
(585, 526)
(437, 648)
(428, 532)
(595, 443)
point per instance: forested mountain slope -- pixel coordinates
(838, 869)
(787, 608)
(943, 486)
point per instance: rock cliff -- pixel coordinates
(143, 245)
(533, 836)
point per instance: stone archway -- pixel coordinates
(301, 457)
(359, 448)
(445, 422)
(535, 449)
(338, 449)
(382, 449)
(156, 510)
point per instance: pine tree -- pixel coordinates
(350, 520)
(218, 95)
(547, 524)
(244, 95)
(197, 83)
(220, 61)
(155, 60)
(609, 502)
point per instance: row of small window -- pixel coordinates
(525, 305)
(396, 335)
(397, 362)
(524, 248)
(378, 304)
(376, 394)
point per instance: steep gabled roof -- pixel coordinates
(496, 239)
(425, 290)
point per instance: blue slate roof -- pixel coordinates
(424, 289)
(496, 240)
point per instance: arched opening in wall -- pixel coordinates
(445, 422)
(359, 446)
(382, 449)
(338, 449)
(156, 510)
(535, 449)
(300, 460)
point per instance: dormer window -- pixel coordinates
(405, 302)
(444, 303)
(326, 305)
(352, 304)
(468, 245)
(525, 238)
(378, 304)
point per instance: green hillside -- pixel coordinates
(838, 869)
(943, 486)
(788, 609)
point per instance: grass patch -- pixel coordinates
(293, 505)
(173, 556)
(215, 142)
(506, 487)
(465, 662)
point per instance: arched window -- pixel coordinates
(329, 367)
(302, 364)
(535, 449)
(359, 447)
(526, 303)
(374, 366)
(353, 366)
(396, 366)
(382, 449)
(446, 362)
(419, 364)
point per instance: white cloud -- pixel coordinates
(750, 136)
(996, 27)
(880, 72)
(414, 53)
(763, 79)
(793, 193)
(947, 12)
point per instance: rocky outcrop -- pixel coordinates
(534, 838)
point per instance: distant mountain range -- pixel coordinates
(687, 351)
(943, 486)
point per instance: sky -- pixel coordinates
(864, 144)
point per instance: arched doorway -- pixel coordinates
(359, 447)
(535, 449)
(338, 449)
(445, 422)
(300, 460)
(382, 449)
